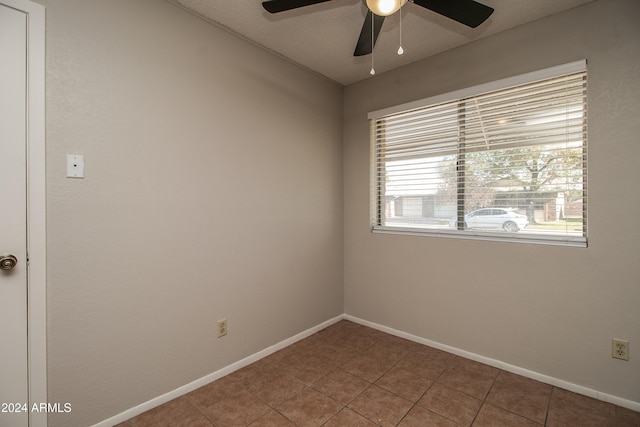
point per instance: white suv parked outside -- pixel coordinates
(493, 218)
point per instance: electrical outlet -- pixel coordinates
(620, 349)
(222, 327)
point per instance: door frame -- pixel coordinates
(36, 208)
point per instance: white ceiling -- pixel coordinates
(322, 37)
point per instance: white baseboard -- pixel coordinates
(180, 391)
(629, 404)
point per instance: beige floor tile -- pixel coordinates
(421, 417)
(348, 418)
(570, 409)
(272, 419)
(627, 418)
(380, 406)
(237, 411)
(367, 366)
(310, 408)
(335, 352)
(341, 386)
(423, 365)
(492, 416)
(309, 368)
(275, 387)
(387, 352)
(520, 395)
(404, 383)
(216, 391)
(469, 377)
(451, 404)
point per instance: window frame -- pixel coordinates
(377, 202)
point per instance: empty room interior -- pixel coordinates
(225, 181)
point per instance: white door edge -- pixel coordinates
(36, 207)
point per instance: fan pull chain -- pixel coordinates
(400, 49)
(373, 71)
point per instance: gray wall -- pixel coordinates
(551, 310)
(213, 189)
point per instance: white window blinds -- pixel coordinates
(508, 163)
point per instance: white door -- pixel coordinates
(14, 396)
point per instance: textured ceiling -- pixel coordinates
(322, 37)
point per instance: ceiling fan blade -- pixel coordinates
(467, 12)
(275, 6)
(365, 45)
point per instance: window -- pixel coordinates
(505, 160)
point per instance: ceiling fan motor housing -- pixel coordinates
(385, 7)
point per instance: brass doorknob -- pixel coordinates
(7, 262)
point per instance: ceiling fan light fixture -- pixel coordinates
(385, 7)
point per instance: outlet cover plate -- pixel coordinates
(620, 349)
(75, 166)
(221, 327)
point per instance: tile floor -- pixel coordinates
(352, 376)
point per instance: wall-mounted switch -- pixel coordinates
(75, 166)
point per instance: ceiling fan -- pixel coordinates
(467, 12)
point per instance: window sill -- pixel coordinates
(521, 237)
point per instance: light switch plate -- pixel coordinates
(75, 166)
